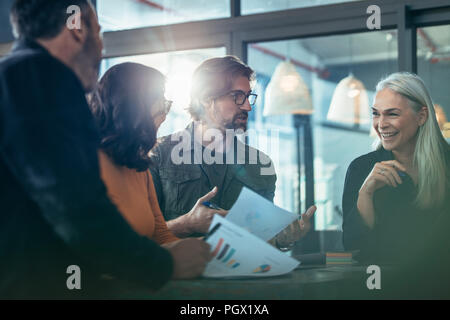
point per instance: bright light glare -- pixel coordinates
(178, 84)
(289, 83)
(353, 91)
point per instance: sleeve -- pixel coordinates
(269, 193)
(355, 232)
(154, 170)
(49, 143)
(267, 170)
(161, 234)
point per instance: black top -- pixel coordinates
(54, 208)
(400, 226)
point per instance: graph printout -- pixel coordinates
(238, 253)
(258, 215)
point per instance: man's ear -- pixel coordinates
(207, 103)
(423, 115)
(77, 26)
(78, 35)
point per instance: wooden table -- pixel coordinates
(307, 282)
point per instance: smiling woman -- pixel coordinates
(395, 122)
(399, 191)
(414, 136)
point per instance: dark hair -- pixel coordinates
(213, 78)
(122, 107)
(44, 19)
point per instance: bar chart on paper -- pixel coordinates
(225, 255)
(238, 253)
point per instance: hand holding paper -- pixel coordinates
(296, 230)
(237, 253)
(259, 216)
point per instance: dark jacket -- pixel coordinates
(179, 186)
(54, 208)
(400, 226)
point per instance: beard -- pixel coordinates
(237, 122)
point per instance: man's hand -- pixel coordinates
(200, 216)
(190, 257)
(296, 230)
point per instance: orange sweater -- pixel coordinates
(134, 195)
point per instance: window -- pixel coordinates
(178, 67)
(5, 26)
(322, 62)
(261, 6)
(433, 66)
(130, 14)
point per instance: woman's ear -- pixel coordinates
(423, 115)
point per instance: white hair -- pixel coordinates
(431, 148)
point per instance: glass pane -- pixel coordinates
(261, 6)
(5, 26)
(322, 63)
(178, 67)
(130, 14)
(433, 66)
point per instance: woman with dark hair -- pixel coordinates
(129, 106)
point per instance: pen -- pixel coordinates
(211, 205)
(210, 233)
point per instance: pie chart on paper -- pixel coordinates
(262, 269)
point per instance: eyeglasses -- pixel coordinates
(240, 97)
(167, 106)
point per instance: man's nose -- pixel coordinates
(246, 106)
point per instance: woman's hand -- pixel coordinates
(383, 173)
(296, 230)
(200, 216)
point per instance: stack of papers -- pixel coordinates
(339, 258)
(239, 245)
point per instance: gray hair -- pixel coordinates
(431, 148)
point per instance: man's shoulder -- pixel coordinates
(169, 141)
(29, 64)
(25, 58)
(161, 152)
(264, 158)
